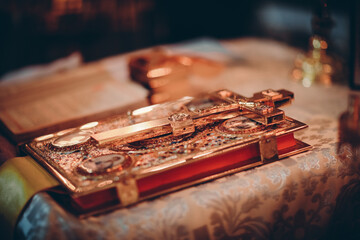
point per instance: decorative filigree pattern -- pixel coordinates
(290, 199)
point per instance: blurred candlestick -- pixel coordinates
(316, 65)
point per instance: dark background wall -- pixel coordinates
(39, 31)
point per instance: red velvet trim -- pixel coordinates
(96, 199)
(186, 173)
(206, 167)
(197, 170)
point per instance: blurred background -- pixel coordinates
(40, 31)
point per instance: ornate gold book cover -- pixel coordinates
(165, 147)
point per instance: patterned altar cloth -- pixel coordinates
(308, 196)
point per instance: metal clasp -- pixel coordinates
(268, 148)
(127, 191)
(181, 123)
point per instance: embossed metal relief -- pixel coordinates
(171, 139)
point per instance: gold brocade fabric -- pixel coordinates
(20, 179)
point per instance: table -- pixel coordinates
(307, 196)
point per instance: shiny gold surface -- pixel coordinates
(132, 132)
(130, 147)
(262, 105)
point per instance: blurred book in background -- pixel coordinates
(46, 103)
